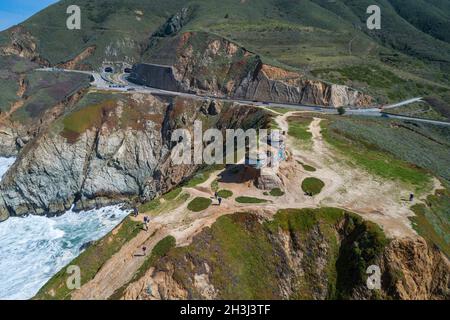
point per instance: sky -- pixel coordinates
(13, 12)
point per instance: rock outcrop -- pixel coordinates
(9, 139)
(108, 152)
(263, 87)
(211, 65)
(155, 76)
(22, 44)
(416, 270)
(268, 181)
(175, 23)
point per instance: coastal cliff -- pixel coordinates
(307, 254)
(109, 149)
(208, 64)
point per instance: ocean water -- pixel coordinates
(5, 163)
(34, 248)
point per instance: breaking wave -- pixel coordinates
(34, 248)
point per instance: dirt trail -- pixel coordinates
(346, 187)
(352, 188)
(121, 267)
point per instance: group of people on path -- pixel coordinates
(146, 218)
(146, 222)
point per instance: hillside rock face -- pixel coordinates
(425, 270)
(123, 153)
(304, 263)
(8, 141)
(175, 23)
(155, 76)
(208, 64)
(298, 91)
(23, 44)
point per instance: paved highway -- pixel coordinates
(110, 82)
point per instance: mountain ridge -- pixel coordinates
(276, 29)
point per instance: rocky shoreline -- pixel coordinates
(109, 161)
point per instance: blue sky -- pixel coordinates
(13, 12)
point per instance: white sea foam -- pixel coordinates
(5, 164)
(34, 248)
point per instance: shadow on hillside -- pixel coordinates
(238, 174)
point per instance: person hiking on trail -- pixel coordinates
(411, 197)
(144, 249)
(135, 211)
(220, 201)
(216, 195)
(146, 221)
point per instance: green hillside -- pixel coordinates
(329, 40)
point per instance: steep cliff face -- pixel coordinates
(209, 64)
(416, 270)
(110, 148)
(300, 254)
(8, 141)
(155, 76)
(20, 42)
(267, 85)
(201, 61)
(175, 23)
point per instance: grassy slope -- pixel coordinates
(399, 150)
(96, 108)
(400, 142)
(10, 70)
(432, 220)
(299, 129)
(432, 17)
(45, 90)
(323, 39)
(246, 261)
(104, 23)
(202, 175)
(165, 203)
(385, 150)
(418, 110)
